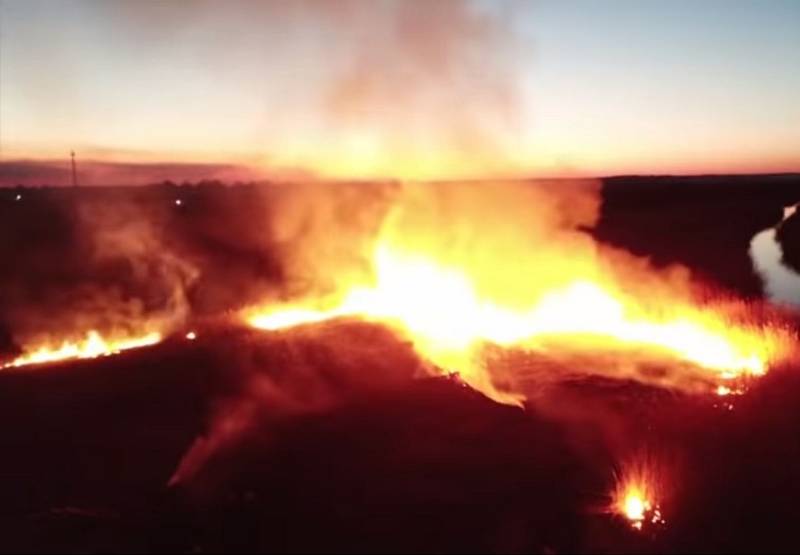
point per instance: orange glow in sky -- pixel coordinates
(361, 89)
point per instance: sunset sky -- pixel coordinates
(406, 89)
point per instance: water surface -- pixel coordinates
(781, 283)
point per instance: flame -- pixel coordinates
(637, 495)
(440, 310)
(94, 345)
(635, 505)
(468, 271)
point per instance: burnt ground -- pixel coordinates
(399, 464)
(420, 465)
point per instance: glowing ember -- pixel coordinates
(636, 497)
(93, 346)
(635, 506)
(191, 336)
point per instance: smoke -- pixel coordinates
(323, 234)
(323, 237)
(90, 265)
(131, 262)
(428, 88)
(343, 88)
(124, 233)
(404, 93)
(287, 375)
(126, 263)
(515, 239)
(362, 89)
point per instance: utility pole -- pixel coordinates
(74, 175)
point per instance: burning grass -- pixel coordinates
(94, 345)
(455, 271)
(639, 492)
(500, 289)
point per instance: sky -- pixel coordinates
(380, 88)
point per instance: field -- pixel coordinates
(354, 452)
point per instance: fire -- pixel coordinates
(635, 505)
(94, 345)
(637, 495)
(465, 272)
(441, 311)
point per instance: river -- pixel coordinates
(781, 283)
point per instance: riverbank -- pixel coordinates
(704, 223)
(789, 237)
